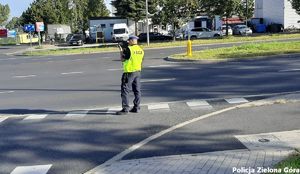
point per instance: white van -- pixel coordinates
(120, 32)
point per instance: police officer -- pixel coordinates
(132, 58)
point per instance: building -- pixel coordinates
(277, 12)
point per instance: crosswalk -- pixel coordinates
(193, 105)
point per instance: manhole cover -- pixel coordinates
(264, 140)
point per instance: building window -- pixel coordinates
(103, 26)
(111, 25)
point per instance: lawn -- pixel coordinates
(291, 165)
(244, 51)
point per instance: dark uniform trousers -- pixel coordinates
(131, 81)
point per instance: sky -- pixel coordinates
(18, 6)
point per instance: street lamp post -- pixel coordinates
(147, 23)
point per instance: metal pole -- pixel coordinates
(147, 23)
(246, 12)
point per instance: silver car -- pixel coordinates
(198, 33)
(241, 30)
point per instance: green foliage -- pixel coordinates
(296, 5)
(15, 22)
(4, 13)
(60, 12)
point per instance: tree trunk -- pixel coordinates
(136, 29)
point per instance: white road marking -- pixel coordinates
(199, 104)
(289, 70)
(158, 106)
(25, 76)
(39, 169)
(6, 92)
(68, 73)
(236, 100)
(113, 110)
(157, 80)
(157, 135)
(3, 119)
(117, 69)
(35, 117)
(77, 114)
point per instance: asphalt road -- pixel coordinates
(65, 83)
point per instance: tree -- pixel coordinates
(15, 22)
(4, 13)
(296, 5)
(133, 9)
(175, 11)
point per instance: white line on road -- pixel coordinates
(68, 73)
(77, 114)
(236, 100)
(289, 70)
(157, 80)
(40, 169)
(116, 69)
(25, 76)
(158, 106)
(35, 117)
(3, 118)
(199, 104)
(6, 92)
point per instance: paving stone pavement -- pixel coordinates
(259, 157)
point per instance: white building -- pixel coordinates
(277, 11)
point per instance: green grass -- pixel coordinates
(244, 51)
(7, 41)
(70, 51)
(292, 162)
(230, 39)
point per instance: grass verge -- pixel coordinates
(244, 51)
(230, 39)
(291, 165)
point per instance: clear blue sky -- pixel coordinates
(18, 6)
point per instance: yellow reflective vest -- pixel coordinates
(134, 63)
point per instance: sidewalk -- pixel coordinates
(259, 157)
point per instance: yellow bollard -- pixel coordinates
(189, 48)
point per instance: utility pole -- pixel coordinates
(147, 23)
(247, 12)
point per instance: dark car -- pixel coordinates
(77, 39)
(153, 36)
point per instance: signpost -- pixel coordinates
(29, 28)
(40, 27)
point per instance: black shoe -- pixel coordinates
(122, 112)
(134, 110)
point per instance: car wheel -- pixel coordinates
(216, 35)
(193, 37)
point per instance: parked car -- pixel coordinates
(77, 39)
(223, 30)
(241, 30)
(153, 36)
(201, 32)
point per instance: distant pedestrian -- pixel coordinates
(132, 58)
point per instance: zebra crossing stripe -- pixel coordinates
(77, 114)
(237, 100)
(159, 106)
(113, 110)
(199, 104)
(39, 169)
(3, 118)
(35, 117)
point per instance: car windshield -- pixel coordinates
(76, 37)
(119, 31)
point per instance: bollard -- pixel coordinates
(189, 48)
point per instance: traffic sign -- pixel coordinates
(29, 28)
(40, 26)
